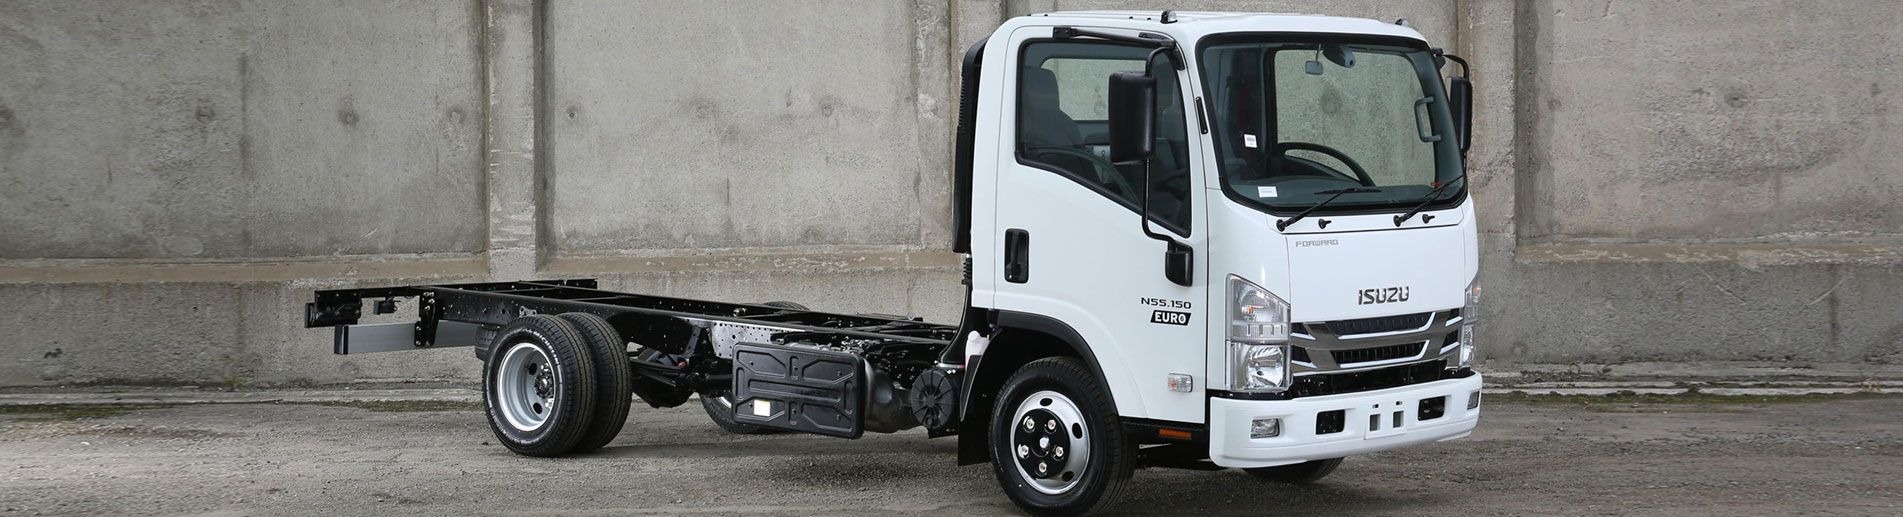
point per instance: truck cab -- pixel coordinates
(1252, 229)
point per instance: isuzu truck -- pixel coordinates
(1191, 240)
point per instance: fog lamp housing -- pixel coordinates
(1265, 428)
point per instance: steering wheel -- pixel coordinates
(1361, 174)
(1107, 173)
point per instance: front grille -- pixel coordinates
(1378, 353)
(1376, 379)
(1380, 324)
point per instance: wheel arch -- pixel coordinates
(1020, 338)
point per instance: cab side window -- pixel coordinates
(1064, 127)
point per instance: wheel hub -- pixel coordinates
(1041, 446)
(1049, 442)
(525, 387)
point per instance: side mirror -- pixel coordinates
(1132, 110)
(1460, 96)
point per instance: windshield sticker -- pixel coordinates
(1248, 141)
(1265, 192)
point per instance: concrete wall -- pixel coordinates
(1690, 180)
(239, 130)
(1657, 181)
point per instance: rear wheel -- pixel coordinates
(1057, 446)
(1297, 474)
(539, 386)
(609, 354)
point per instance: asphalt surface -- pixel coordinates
(1632, 455)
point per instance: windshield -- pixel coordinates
(1295, 122)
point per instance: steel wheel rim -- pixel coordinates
(525, 387)
(1048, 429)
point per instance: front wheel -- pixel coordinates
(1057, 445)
(1298, 474)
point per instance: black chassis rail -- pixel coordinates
(673, 325)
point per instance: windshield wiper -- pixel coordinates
(1283, 224)
(1432, 195)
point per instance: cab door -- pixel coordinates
(1068, 224)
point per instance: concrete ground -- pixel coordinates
(429, 453)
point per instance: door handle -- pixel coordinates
(1017, 256)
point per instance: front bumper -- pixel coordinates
(1229, 421)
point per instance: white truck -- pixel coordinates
(1192, 240)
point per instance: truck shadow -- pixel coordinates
(925, 470)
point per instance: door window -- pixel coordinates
(1063, 126)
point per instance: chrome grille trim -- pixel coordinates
(1320, 343)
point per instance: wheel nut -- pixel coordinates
(1050, 426)
(1024, 451)
(1029, 425)
(1043, 468)
(1058, 453)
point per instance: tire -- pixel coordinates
(719, 403)
(719, 406)
(1297, 474)
(609, 354)
(1059, 392)
(538, 386)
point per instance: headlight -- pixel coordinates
(1255, 315)
(1258, 338)
(1257, 367)
(1468, 315)
(1471, 312)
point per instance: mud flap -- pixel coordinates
(799, 389)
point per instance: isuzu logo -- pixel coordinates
(1382, 295)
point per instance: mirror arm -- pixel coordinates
(1174, 250)
(1146, 209)
(1466, 136)
(1442, 53)
(1457, 59)
(1146, 161)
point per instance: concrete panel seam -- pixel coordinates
(1748, 254)
(755, 261)
(85, 271)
